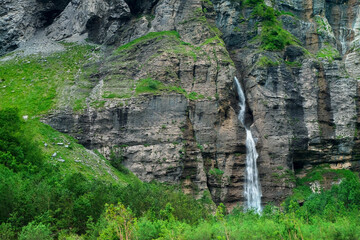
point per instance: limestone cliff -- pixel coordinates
(302, 91)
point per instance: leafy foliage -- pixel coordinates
(35, 232)
(120, 223)
(273, 36)
(17, 149)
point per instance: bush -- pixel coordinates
(121, 223)
(35, 231)
(117, 158)
(150, 199)
(17, 149)
(7, 231)
(273, 36)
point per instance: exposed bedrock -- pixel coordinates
(19, 20)
(191, 136)
(304, 107)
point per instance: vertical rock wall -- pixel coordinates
(303, 102)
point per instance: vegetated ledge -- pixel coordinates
(121, 68)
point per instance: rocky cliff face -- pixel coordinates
(302, 97)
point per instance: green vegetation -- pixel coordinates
(287, 13)
(40, 200)
(293, 64)
(207, 2)
(216, 40)
(17, 150)
(267, 62)
(328, 52)
(216, 172)
(323, 27)
(33, 82)
(149, 36)
(150, 85)
(273, 36)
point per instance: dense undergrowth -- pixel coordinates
(38, 201)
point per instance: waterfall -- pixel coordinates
(252, 184)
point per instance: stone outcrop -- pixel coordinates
(302, 101)
(19, 20)
(98, 19)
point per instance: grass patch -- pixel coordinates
(303, 191)
(98, 104)
(31, 83)
(77, 158)
(266, 62)
(328, 52)
(117, 95)
(293, 64)
(147, 37)
(183, 50)
(195, 96)
(150, 85)
(215, 39)
(216, 172)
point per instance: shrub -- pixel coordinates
(273, 36)
(7, 231)
(117, 158)
(17, 149)
(150, 199)
(121, 223)
(35, 231)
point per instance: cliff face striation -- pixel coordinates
(160, 96)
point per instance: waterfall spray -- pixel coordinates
(252, 184)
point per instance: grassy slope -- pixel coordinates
(31, 84)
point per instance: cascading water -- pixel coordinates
(252, 184)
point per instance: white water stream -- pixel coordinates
(252, 184)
